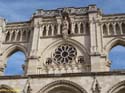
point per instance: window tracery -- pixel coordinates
(64, 54)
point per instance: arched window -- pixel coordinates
(44, 31)
(50, 31)
(15, 63)
(117, 29)
(123, 28)
(13, 36)
(76, 28)
(7, 37)
(105, 31)
(87, 28)
(6, 89)
(81, 28)
(24, 36)
(111, 29)
(117, 57)
(55, 29)
(29, 33)
(19, 36)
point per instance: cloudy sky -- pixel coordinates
(22, 10)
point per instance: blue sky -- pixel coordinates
(22, 10)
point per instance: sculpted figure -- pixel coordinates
(65, 28)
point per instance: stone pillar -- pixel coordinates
(59, 22)
(114, 28)
(95, 37)
(120, 24)
(33, 56)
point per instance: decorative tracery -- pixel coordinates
(64, 54)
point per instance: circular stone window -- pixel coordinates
(64, 54)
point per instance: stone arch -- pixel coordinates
(55, 29)
(24, 35)
(19, 36)
(117, 88)
(105, 30)
(7, 89)
(117, 29)
(13, 36)
(50, 30)
(75, 88)
(87, 28)
(44, 31)
(14, 48)
(7, 36)
(123, 28)
(11, 50)
(76, 28)
(69, 41)
(81, 50)
(111, 29)
(114, 42)
(81, 28)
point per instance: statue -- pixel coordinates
(65, 28)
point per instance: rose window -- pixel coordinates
(64, 54)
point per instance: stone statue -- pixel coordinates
(65, 28)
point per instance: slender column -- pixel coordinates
(21, 37)
(16, 35)
(41, 30)
(59, 29)
(47, 30)
(73, 27)
(114, 28)
(79, 28)
(120, 25)
(52, 29)
(10, 36)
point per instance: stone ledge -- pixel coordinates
(117, 73)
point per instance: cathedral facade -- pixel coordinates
(66, 51)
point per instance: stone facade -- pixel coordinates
(66, 51)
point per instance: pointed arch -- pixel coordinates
(123, 28)
(50, 31)
(13, 36)
(44, 31)
(117, 29)
(69, 86)
(87, 28)
(7, 36)
(76, 28)
(24, 35)
(117, 88)
(19, 36)
(114, 42)
(105, 30)
(111, 31)
(55, 29)
(13, 49)
(7, 89)
(81, 28)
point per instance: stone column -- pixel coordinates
(59, 22)
(114, 28)
(120, 24)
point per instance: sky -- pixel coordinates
(22, 10)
